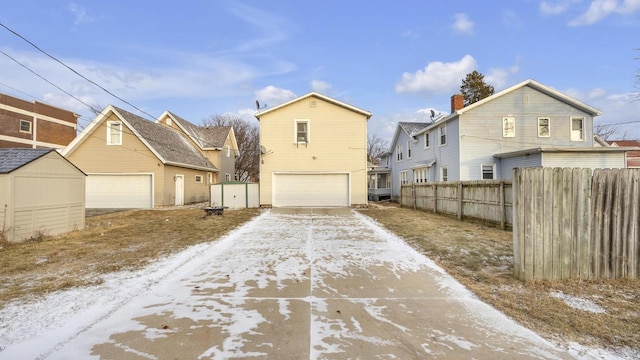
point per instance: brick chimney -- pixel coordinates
(457, 102)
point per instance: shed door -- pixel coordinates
(310, 190)
(134, 191)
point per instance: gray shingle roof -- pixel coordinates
(170, 144)
(413, 127)
(207, 136)
(14, 158)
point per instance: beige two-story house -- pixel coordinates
(132, 162)
(313, 153)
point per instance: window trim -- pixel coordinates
(227, 177)
(199, 179)
(506, 132)
(493, 171)
(442, 134)
(109, 128)
(398, 153)
(295, 131)
(548, 126)
(421, 175)
(403, 174)
(444, 169)
(228, 150)
(582, 132)
(408, 149)
(30, 126)
(427, 143)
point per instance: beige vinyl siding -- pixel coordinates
(226, 165)
(337, 143)
(45, 196)
(193, 192)
(132, 157)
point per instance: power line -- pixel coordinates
(74, 71)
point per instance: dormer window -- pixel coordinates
(301, 131)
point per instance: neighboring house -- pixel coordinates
(314, 153)
(526, 125)
(633, 156)
(379, 187)
(217, 143)
(41, 193)
(32, 124)
(132, 162)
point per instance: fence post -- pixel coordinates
(503, 210)
(435, 199)
(460, 200)
(413, 195)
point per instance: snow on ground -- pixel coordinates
(578, 303)
(43, 327)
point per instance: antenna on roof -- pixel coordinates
(433, 114)
(258, 105)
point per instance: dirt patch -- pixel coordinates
(592, 313)
(125, 240)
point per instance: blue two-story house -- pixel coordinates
(526, 125)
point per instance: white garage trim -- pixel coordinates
(311, 189)
(119, 191)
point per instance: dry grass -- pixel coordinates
(113, 242)
(481, 258)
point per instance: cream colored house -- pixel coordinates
(314, 153)
(135, 163)
(41, 193)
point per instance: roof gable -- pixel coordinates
(206, 137)
(539, 87)
(12, 159)
(409, 128)
(333, 101)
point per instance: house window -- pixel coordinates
(543, 127)
(228, 149)
(488, 171)
(421, 175)
(426, 140)
(25, 126)
(227, 177)
(210, 178)
(302, 131)
(199, 179)
(403, 177)
(168, 122)
(399, 153)
(443, 135)
(444, 173)
(577, 129)
(508, 126)
(408, 149)
(114, 133)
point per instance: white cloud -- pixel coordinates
(599, 9)
(81, 15)
(499, 77)
(320, 86)
(462, 24)
(555, 7)
(437, 77)
(273, 96)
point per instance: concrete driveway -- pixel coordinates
(307, 284)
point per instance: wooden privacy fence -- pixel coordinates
(576, 223)
(487, 200)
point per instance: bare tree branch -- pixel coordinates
(376, 147)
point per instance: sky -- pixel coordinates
(397, 59)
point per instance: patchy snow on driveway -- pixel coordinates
(311, 285)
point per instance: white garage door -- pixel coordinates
(119, 192)
(310, 190)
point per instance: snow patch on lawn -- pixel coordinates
(578, 303)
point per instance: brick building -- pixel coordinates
(32, 124)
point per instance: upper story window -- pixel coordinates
(114, 133)
(198, 179)
(577, 129)
(25, 126)
(408, 149)
(544, 129)
(508, 126)
(399, 153)
(426, 140)
(488, 171)
(228, 150)
(227, 177)
(301, 131)
(443, 134)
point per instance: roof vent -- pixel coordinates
(312, 103)
(525, 99)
